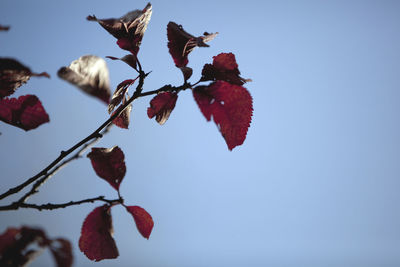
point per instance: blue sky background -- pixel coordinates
(316, 182)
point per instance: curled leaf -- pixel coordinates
(187, 73)
(25, 112)
(224, 68)
(90, 74)
(161, 106)
(13, 74)
(128, 59)
(109, 164)
(230, 106)
(181, 43)
(96, 240)
(119, 94)
(143, 220)
(123, 119)
(128, 29)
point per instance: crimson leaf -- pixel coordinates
(62, 252)
(96, 240)
(109, 164)
(143, 220)
(161, 106)
(13, 74)
(181, 43)
(25, 112)
(231, 108)
(90, 74)
(224, 68)
(129, 29)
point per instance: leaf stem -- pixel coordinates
(50, 174)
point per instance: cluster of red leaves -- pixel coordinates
(16, 247)
(224, 100)
(96, 240)
(128, 29)
(25, 112)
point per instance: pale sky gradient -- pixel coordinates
(316, 182)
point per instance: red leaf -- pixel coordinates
(26, 112)
(124, 118)
(119, 94)
(109, 164)
(224, 68)
(129, 29)
(13, 74)
(62, 252)
(181, 43)
(96, 240)
(161, 106)
(143, 220)
(90, 74)
(231, 108)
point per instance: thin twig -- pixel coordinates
(51, 173)
(50, 206)
(95, 134)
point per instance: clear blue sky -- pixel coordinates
(316, 182)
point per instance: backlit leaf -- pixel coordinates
(143, 220)
(128, 29)
(119, 94)
(181, 43)
(124, 118)
(231, 108)
(25, 112)
(90, 74)
(224, 68)
(13, 74)
(161, 106)
(109, 164)
(96, 240)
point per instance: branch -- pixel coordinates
(50, 174)
(95, 134)
(47, 173)
(49, 206)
